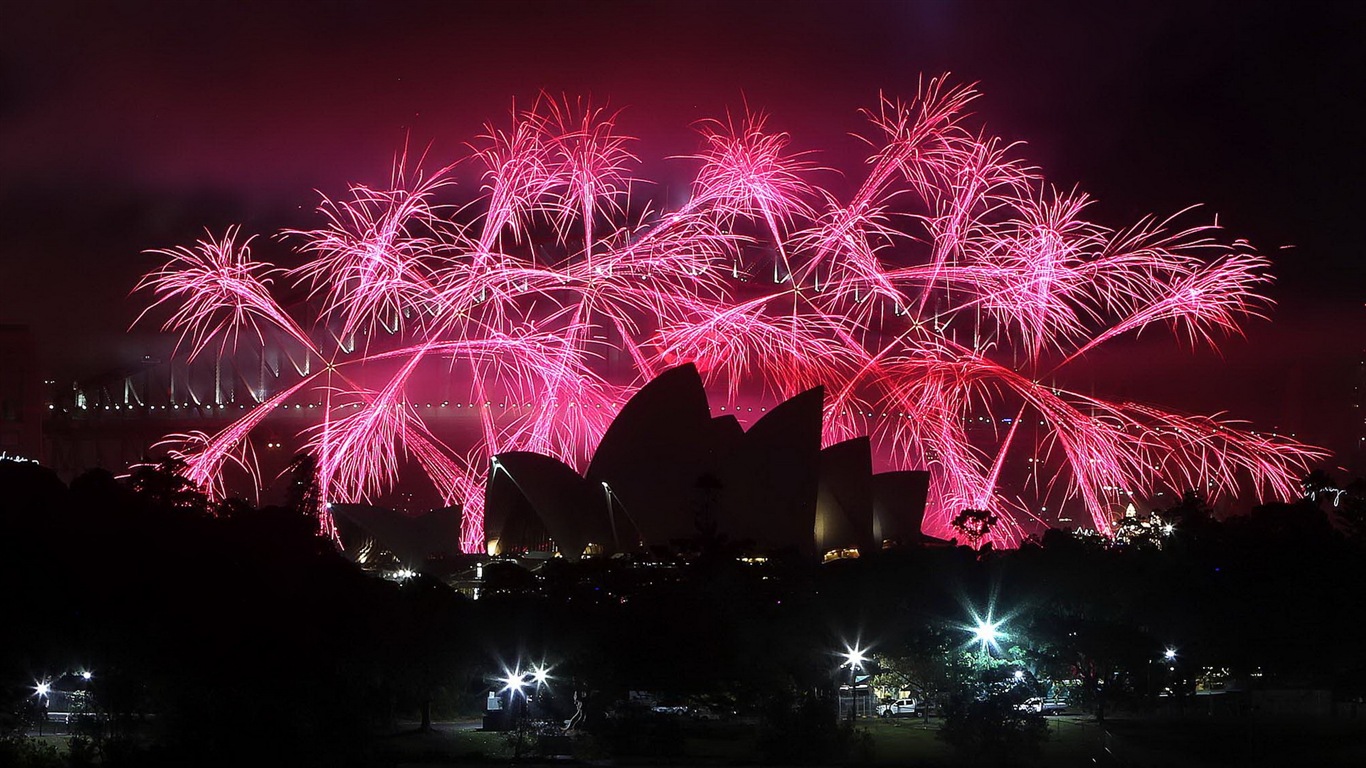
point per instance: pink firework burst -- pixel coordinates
(947, 294)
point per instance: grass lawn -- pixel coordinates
(1074, 741)
(907, 741)
(1249, 742)
(1079, 741)
(911, 741)
(444, 744)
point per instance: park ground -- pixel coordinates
(1074, 740)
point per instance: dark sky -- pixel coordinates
(126, 126)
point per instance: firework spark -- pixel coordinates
(951, 285)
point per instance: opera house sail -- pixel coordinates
(668, 474)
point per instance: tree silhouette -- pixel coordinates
(1191, 512)
(305, 495)
(974, 524)
(165, 485)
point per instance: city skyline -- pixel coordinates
(113, 147)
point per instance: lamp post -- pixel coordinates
(517, 682)
(540, 677)
(513, 683)
(41, 689)
(1169, 658)
(853, 659)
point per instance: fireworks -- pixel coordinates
(951, 285)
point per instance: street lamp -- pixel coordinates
(854, 659)
(513, 683)
(986, 633)
(41, 689)
(1169, 654)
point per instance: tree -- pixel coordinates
(305, 497)
(1319, 485)
(992, 730)
(1192, 513)
(1350, 510)
(929, 664)
(164, 485)
(975, 524)
(1101, 653)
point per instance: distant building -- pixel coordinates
(389, 541)
(21, 396)
(668, 475)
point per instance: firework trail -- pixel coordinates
(951, 283)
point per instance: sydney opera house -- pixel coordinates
(669, 476)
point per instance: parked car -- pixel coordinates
(898, 708)
(1043, 706)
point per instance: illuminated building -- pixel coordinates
(670, 475)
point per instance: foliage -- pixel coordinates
(20, 752)
(991, 730)
(806, 732)
(636, 731)
(974, 524)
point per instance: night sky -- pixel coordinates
(131, 126)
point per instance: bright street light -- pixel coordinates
(43, 688)
(1170, 654)
(540, 675)
(514, 681)
(854, 658)
(987, 632)
(86, 675)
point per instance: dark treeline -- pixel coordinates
(226, 634)
(211, 634)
